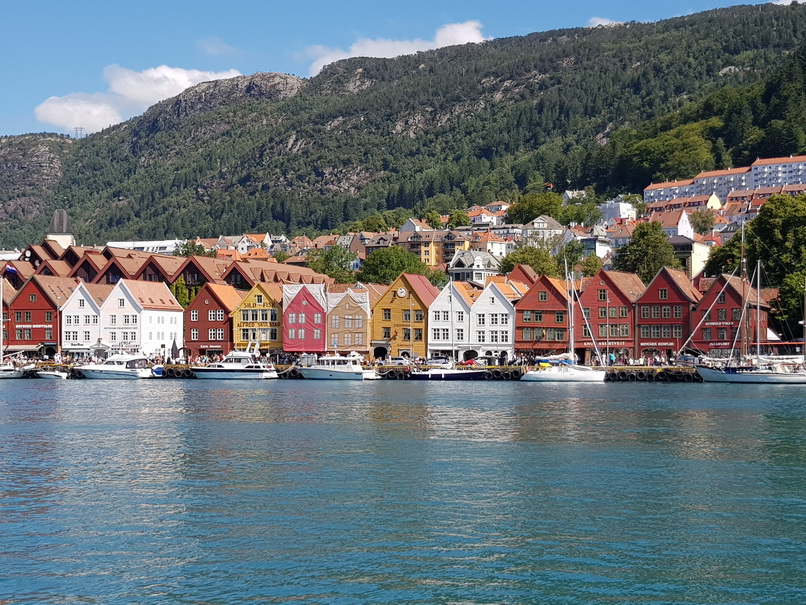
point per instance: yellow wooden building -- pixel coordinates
(400, 318)
(259, 318)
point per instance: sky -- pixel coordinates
(78, 67)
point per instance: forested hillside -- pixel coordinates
(433, 131)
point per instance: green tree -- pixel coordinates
(702, 221)
(385, 264)
(281, 256)
(591, 265)
(538, 259)
(777, 237)
(533, 205)
(647, 252)
(572, 252)
(180, 291)
(458, 218)
(335, 262)
(190, 248)
(432, 217)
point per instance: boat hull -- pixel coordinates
(332, 374)
(439, 374)
(564, 374)
(234, 374)
(750, 376)
(11, 373)
(117, 374)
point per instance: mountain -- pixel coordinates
(435, 130)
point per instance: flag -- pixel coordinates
(10, 269)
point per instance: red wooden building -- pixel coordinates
(663, 315)
(208, 325)
(541, 319)
(717, 318)
(304, 314)
(608, 303)
(33, 322)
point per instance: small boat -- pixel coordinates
(237, 365)
(773, 374)
(563, 372)
(10, 370)
(51, 373)
(338, 367)
(122, 366)
(449, 373)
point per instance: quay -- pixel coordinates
(661, 374)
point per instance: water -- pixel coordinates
(181, 491)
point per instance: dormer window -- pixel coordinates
(121, 302)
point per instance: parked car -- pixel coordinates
(399, 361)
(438, 362)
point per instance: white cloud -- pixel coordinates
(216, 47)
(597, 21)
(130, 92)
(447, 35)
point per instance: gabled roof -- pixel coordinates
(59, 268)
(667, 219)
(523, 273)
(25, 269)
(228, 296)
(681, 281)
(167, 265)
(467, 291)
(629, 284)
(57, 289)
(8, 291)
(98, 292)
(424, 289)
(151, 295)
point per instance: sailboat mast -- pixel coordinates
(743, 320)
(569, 291)
(758, 314)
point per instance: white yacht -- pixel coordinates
(237, 365)
(563, 372)
(338, 367)
(122, 366)
(11, 370)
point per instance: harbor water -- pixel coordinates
(401, 492)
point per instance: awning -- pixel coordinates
(23, 347)
(75, 349)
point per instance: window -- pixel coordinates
(219, 315)
(663, 294)
(559, 317)
(527, 334)
(418, 316)
(624, 329)
(292, 333)
(644, 331)
(542, 295)
(721, 298)
(706, 334)
(219, 334)
(721, 333)
(258, 299)
(80, 303)
(504, 319)
(121, 302)
(656, 331)
(387, 333)
(736, 314)
(446, 333)
(538, 315)
(407, 315)
(706, 315)
(666, 331)
(406, 334)
(460, 316)
(666, 312)
(586, 312)
(18, 316)
(446, 316)
(334, 321)
(317, 318)
(494, 336)
(272, 315)
(244, 316)
(602, 330)
(435, 333)
(655, 311)
(317, 334)
(677, 311)
(32, 297)
(48, 333)
(527, 317)
(644, 311)
(292, 318)
(722, 314)
(481, 319)
(113, 336)
(28, 316)
(418, 334)
(460, 334)
(245, 333)
(359, 339)
(211, 315)
(603, 295)
(436, 315)
(87, 335)
(387, 314)
(586, 333)
(49, 317)
(480, 336)
(348, 340)
(493, 319)
(623, 312)
(602, 312)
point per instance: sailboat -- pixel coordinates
(755, 371)
(563, 368)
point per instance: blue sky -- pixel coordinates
(93, 63)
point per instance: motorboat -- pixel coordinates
(236, 365)
(122, 366)
(451, 372)
(563, 372)
(338, 367)
(51, 372)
